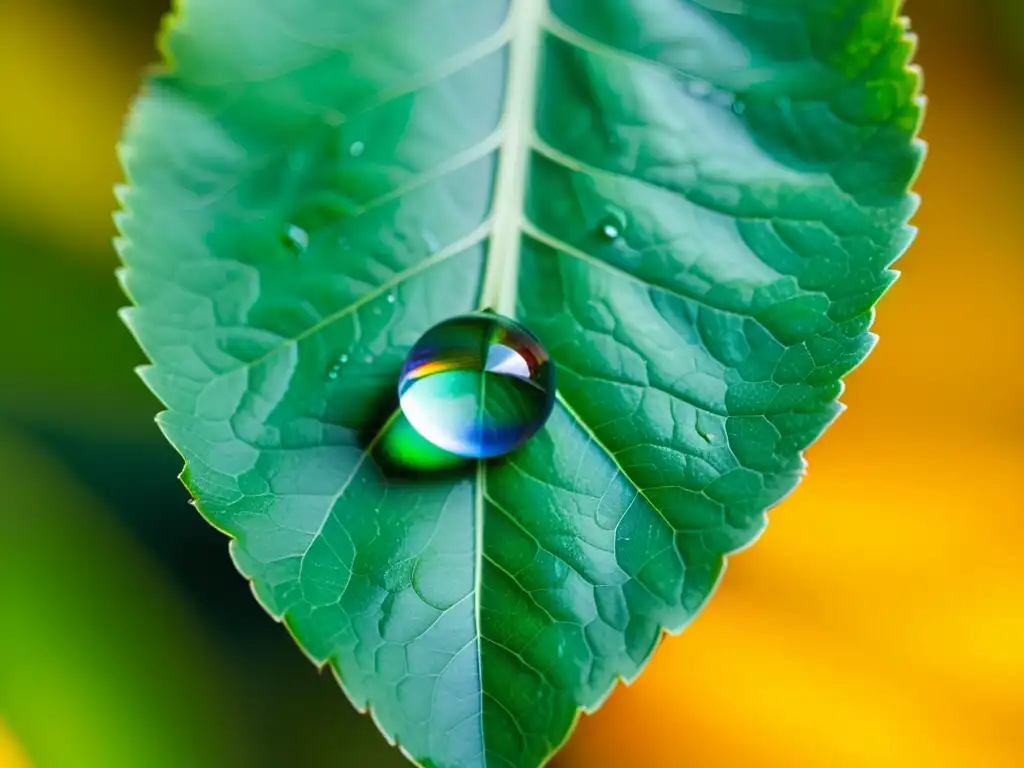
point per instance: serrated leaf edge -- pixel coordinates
(122, 192)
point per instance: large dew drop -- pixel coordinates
(477, 386)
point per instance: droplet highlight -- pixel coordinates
(356, 148)
(296, 238)
(612, 226)
(335, 370)
(478, 386)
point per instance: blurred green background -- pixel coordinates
(879, 622)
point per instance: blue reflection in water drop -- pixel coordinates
(477, 385)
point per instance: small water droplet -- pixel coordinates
(738, 107)
(296, 238)
(612, 226)
(334, 372)
(343, 359)
(430, 239)
(477, 386)
(357, 148)
(391, 298)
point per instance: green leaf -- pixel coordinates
(693, 205)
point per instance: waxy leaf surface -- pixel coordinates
(694, 205)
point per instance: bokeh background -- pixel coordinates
(879, 621)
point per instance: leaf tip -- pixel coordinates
(389, 738)
(126, 148)
(121, 243)
(127, 315)
(147, 373)
(121, 192)
(361, 707)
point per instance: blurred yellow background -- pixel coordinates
(878, 622)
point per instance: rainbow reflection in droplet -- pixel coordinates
(478, 386)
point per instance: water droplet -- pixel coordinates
(391, 298)
(357, 148)
(612, 226)
(738, 107)
(335, 370)
(477, 386)
(296, 238)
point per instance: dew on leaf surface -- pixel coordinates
(478, 386)
(335, 370)
(296, 238)
(612, 226)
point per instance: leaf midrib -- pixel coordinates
(526, 22)
(501, 277)
(505, 228)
